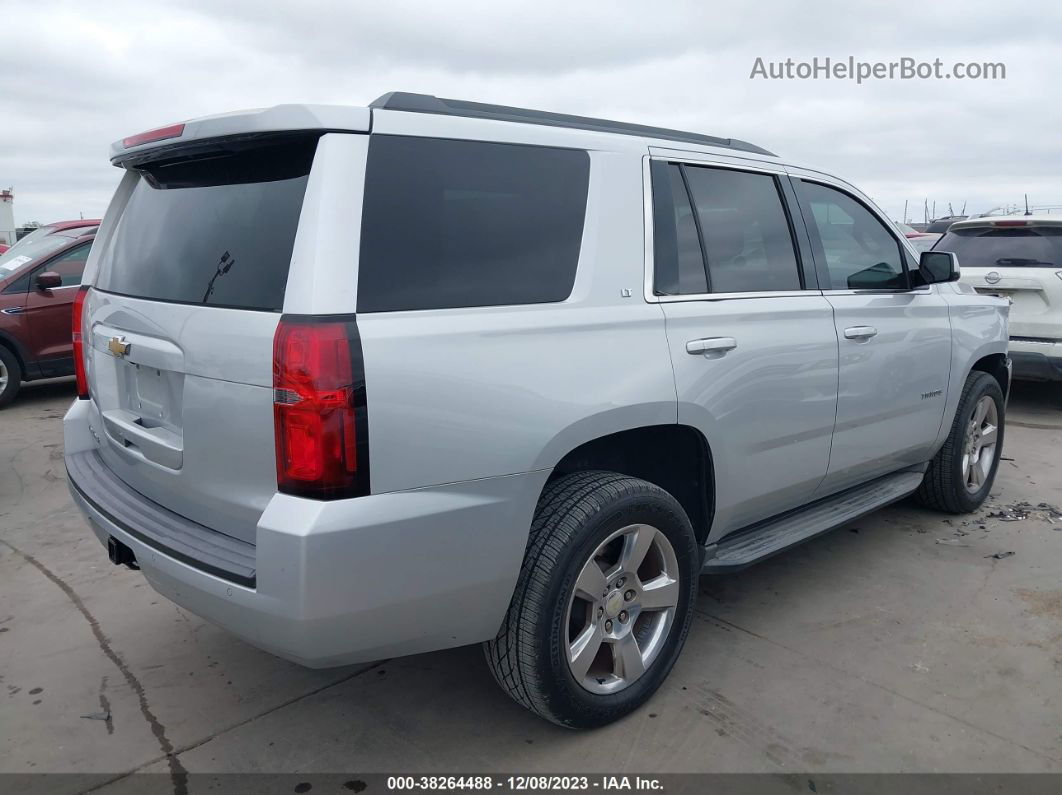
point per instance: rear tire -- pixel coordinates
(961, 475)
(10, 376)
(632, 545)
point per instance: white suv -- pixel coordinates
(1020, 258)
(363, 382)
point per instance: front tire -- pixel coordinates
(603, 603)
(961, 475)
(10, 376)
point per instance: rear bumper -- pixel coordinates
(335, 582)
(1036, 361)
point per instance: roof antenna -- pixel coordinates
(1027, 204)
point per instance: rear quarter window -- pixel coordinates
(217, 229)
(449, 224)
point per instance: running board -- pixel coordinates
(761, 541)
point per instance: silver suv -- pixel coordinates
(364, 382)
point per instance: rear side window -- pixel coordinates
(678, 261)
(740, 228)
(215, 230)
(745, 230)
(464, 223)
(860, 253)
(1011, 247)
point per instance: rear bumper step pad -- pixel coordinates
(159, 528)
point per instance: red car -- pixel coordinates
(39, 279)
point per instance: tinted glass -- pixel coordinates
(464, 223)
(859, 251)
(217, 230)
(1030, 247)
(678, 267)
(745, 229)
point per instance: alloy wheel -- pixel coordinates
(621, 608)
(979, 444)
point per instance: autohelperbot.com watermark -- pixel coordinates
(850, 68)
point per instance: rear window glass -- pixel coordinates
(1014, 247)
(464, 223)
(216, 230)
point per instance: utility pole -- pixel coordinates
(905, 211)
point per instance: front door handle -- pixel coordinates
(860, 332)
(711, 345)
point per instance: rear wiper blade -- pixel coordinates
(1022, 261)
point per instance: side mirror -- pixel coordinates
(49, 280)
(936, 267)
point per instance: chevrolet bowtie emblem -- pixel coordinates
(118, 346)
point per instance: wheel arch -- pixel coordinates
(18, 351)
(677, 458)
(995, 364)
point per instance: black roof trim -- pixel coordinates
(426, 103)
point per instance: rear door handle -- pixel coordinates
(711, 345)
(860, 332)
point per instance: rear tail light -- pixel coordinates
(158, 134)
(80, 372)
(1010, 223)
(319, 409)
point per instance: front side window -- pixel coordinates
(450, 223)
(70, 264)
(859, 251)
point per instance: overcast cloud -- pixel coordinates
(76, 76)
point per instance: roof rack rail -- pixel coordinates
(426, 103)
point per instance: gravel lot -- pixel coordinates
(908, 642)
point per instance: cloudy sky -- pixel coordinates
(76, 76)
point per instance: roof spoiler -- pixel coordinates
(280, 119)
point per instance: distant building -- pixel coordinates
(7, 217)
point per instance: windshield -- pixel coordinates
(36, 234)
(1034, 247)
(27, 250)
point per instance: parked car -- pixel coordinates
(1019, 257)
(38, 284)
(921, 241)
(432, 373)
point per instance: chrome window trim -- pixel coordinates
(670, 299)
(925, 288)
(650, 253)
(647, 216)
(53, 289)
(692, 157)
